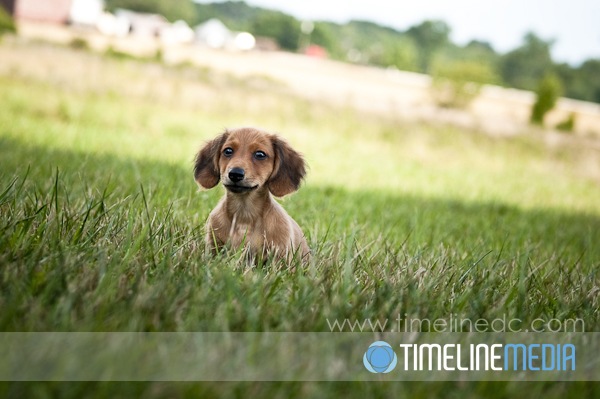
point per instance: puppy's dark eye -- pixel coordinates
(260, 155)
(228, 152)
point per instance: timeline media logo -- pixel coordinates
(380, 358)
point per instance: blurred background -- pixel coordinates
(505, 117)
(412, 68)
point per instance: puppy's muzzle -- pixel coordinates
(236, 177)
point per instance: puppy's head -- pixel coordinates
(247, 160)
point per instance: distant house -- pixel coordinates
(86, 12)
(110, 25)
(214, 34)
(266, 44)
(141, 24)
(80, 12)
(55, 11)
(244, 41)
(177, 33)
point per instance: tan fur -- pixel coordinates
(248, 215)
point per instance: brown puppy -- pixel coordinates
(252, 165)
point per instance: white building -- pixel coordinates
(141, 24)
(214, 34)
(177, 33)
(86, 12)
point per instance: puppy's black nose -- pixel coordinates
(236, 174)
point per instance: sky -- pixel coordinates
(574, 25)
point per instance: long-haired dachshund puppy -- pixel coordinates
(254, 166)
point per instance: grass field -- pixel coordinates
(102, 221)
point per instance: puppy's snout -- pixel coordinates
(236, 174)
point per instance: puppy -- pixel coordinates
(254, 166)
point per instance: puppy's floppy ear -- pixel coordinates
(289, 169)
(206, 166)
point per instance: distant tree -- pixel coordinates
(7, 25)
(283, 28)
(170, 9)
(456, 84)
(525, 66)
(589, 72)
(236, 15)
(480, 47)
(547, 93)
(575, 86)
(324, 36)
(568, 124)
(480, 52)
(581, 82)
(402, 53)
(429, 37)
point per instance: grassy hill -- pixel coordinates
(425, 48)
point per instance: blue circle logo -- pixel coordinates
(380, 358)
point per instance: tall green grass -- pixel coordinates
(102, 224)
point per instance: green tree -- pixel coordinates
(590, 73)
(568, 124)
(323, 35)
(170, 9)
(479, 51)
(7, 25)
(279, 26)
(547, 93)
(456, 84)
(525, 66)
(236, 15)
(581, 82)
(400, 53)
(429, 37)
